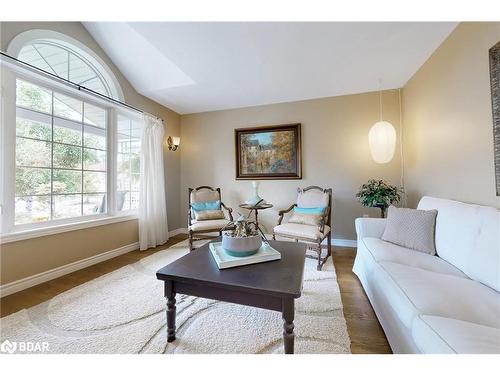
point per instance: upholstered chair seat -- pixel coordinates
(206, 213)
(301, 231)
(310, 221)
(216, 225)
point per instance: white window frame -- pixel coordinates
(77, 47)
(9, 232)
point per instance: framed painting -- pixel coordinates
(495, 103)
(268, 153)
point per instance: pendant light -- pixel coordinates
(382, 139)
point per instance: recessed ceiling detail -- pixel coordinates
(206, 66)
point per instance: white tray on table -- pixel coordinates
(265, 254)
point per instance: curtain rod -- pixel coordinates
(73, 84)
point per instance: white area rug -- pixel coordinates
(124, 312)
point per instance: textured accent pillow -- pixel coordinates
(209, 210)
(209, 205)
(413, 229)
(208, 215)
(307, 216)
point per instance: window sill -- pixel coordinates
(47, 231)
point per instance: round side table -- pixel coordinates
(256, 210)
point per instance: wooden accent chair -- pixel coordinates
(313, 235)
(198, 229)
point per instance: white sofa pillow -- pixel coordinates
(413, 229)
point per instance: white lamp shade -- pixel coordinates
(176, 141)
(382, 140)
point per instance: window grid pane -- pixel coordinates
(64, 62)
(128, 163)
(57, 176)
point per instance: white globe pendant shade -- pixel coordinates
(382, 140)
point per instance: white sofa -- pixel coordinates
(449, 303)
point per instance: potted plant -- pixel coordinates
(378, 193)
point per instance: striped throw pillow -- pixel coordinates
(307, 216)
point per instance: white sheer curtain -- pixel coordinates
(153, 229)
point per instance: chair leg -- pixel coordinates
(329, 242)
(274, 237)
(190, 241)
(318, 250)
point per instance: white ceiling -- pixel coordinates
(196, 67)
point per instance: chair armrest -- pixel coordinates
(370, 227)
(228, 209)
(283, 212)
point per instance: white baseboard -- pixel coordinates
(28, 282)
(344, 243)
(175, 232)
(335, 241)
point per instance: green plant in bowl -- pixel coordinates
(243, 239)
(378, 193)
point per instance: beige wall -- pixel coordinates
(29, 257)
(448, 120)
(334, 153)
(448, 147)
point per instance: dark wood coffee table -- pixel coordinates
(272, 285)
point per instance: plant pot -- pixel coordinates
(383, 210)
(241, 246)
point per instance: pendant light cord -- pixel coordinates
(380, 97)
(401, 152)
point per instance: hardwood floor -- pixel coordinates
(364, 329)
(43, 292)
(367, 336)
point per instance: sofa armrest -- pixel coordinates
(370, 227)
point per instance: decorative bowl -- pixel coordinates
(241, 246)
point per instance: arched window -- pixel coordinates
(75, 154)
(67, 58)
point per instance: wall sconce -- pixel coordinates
(173, 143)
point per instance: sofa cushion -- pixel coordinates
(438, 335)
(413, 229)
(415, 291)
(216, 225)
(386, 251)
(309, 232)
(468, 236)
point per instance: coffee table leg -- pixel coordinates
(288, 313)
(170, 295)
